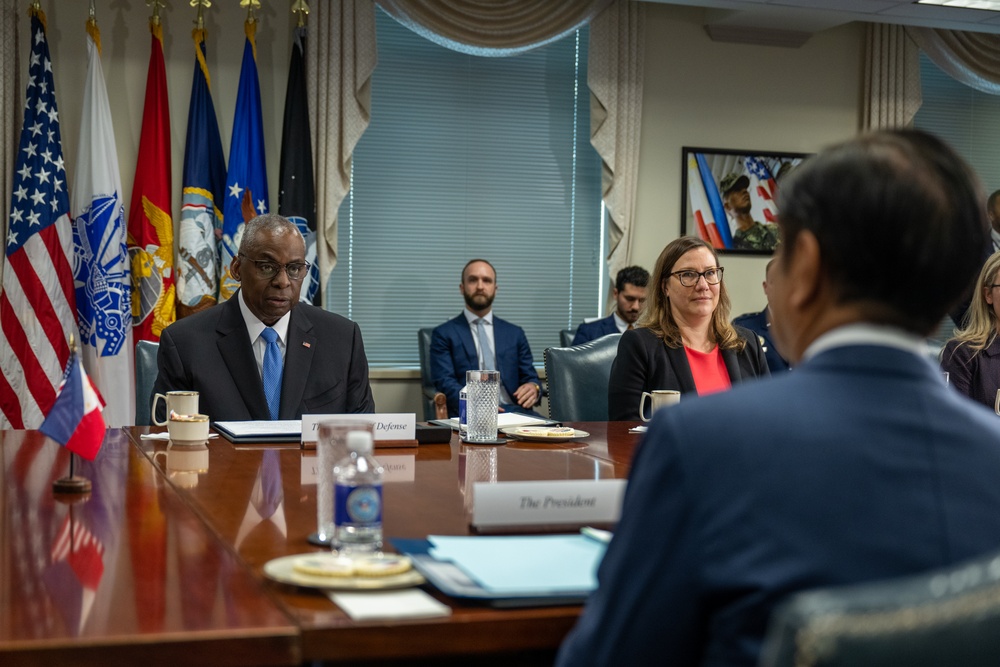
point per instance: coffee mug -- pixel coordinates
(188, 428)
(658, 398)
(181, 402)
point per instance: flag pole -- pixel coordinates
(72, 485)
(301, 9)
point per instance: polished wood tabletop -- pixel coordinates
(163, 561)
(261, 501)
(127, 574)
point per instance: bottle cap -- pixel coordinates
(360, 442)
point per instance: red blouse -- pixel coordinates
(709, 371)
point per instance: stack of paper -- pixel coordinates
(524, 565)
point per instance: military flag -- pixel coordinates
(246, 182)
(204, 186)
(150, 223)
(103, 286)
(296, 198)
(37, 305)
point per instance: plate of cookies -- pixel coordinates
(334, 571)
(545, 433)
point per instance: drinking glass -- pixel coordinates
(483, 389)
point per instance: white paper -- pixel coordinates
(504, 420)
(375, 605)
(243, 429)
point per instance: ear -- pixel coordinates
(234, 267)
(804, 271)
(988, 291)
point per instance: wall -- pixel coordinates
(703, 93)
(696, 93)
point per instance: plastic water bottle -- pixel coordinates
(463, 424)
(357, 505)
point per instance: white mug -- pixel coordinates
(658, 398)
(181, 402)
(188, 428)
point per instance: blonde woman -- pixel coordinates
(684, 340)
(972, 357)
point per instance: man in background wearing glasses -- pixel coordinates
(263, 354)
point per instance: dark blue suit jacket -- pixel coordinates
(757, 323)
(453, 352)
(589, 331)
(860, 465)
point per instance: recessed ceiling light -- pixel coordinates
(988, 5)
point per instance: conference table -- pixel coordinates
(163, 560)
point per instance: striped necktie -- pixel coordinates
(489, 363)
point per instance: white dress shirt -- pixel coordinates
(254, 329)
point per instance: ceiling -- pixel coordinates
(809, 16)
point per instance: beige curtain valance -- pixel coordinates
(493, 28)
(970, 57)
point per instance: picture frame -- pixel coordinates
(728, 197)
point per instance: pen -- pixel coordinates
(596, 534)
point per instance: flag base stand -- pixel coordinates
(71, 485)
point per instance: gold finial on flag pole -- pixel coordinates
(93, 12)
(301, 8)
(251, 5)
(155, 6)
(202, 5)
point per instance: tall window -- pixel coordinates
(966, 118)
(470, 157)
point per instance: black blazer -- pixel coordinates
(325, 372)
(644, 363)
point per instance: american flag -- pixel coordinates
(37, 305)
(763, 189)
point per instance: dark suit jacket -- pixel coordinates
(644, 363)
(757, 323)
(589, 331)
(975, 373)
(859, 465)
(453, 352)
(325, 372)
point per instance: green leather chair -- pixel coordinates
(435, 403)
(949, 616)
(145, 376)
(577, 378)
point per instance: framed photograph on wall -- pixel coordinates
(728, 197)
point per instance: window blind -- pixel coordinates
(966, 118)
(470, 157)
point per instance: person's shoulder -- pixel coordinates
(201, 323)
(447, 325)
(321, 317)
(745, 332)
(500, 322)
(748, 320)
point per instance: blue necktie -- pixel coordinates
(272, 371)
(489, 363)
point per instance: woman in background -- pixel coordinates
(972, 357)
(683, 340)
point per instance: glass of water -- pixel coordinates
(482, 403)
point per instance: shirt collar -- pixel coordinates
(255, 326)
(866, 333)
(619, 322)
(471, 317)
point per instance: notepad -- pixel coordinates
(524, 565)
(376, 605)
(504, 420)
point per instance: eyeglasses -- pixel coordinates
(712, 276)
(268, 269)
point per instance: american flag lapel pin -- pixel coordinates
(306, 344)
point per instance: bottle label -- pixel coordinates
(358, 505)
(462, 412)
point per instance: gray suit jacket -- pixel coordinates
(325, 370)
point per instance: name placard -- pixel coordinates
(397, 468)
(388, 426)
(552, 502)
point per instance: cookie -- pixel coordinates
(324, 565)
(381, 566)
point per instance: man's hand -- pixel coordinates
(527, 395)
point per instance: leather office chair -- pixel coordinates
(949, 616)
(145, 376)
(578, 379)
(435, 402)
(566, 337)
